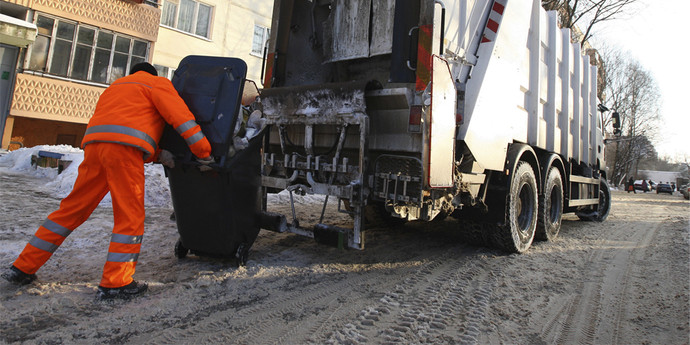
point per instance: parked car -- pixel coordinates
(642, 185)
(664, 188)
(685, 190)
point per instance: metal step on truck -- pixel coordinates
(421, 109)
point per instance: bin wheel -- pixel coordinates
(180, 250)
(242, 255)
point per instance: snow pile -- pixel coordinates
(157, 187)
(59, 186)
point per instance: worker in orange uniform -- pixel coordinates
(121, 136)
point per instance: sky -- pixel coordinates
(655, 32)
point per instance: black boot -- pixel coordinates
(125, 292)
(16, 276)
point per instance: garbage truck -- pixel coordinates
(408, 110)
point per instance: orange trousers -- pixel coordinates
(107, 167)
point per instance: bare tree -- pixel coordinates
(634, 94)
(586, 14)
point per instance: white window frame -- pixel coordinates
(89, 77)
(165, 71)
(195, 18)
(265, 36)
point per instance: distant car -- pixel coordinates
(642, 185)
(685, 190)
(664, 188)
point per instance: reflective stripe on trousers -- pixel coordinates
(107, 167)
(41, 247)
(130, 244)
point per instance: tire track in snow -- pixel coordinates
(595, 312)
(447, 301)
(290, 314)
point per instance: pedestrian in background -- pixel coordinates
(631, 185)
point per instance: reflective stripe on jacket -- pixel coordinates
(133, 111)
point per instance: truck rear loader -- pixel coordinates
(421, 109)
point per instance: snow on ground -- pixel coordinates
(60, 185)
(622, 281)
(18, 162)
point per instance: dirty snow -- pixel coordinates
(623, 281)
(60, 185)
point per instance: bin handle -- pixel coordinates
(411, 52)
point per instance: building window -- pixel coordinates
(187, 15)
(259, 40)
(153, 3)
(164, 71)
(76, 51)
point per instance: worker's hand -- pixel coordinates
(166, 158)
(205, 163)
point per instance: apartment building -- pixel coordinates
(236, 28)
(57, 56)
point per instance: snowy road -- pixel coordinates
(624, 281)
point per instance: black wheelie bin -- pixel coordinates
(215, 210)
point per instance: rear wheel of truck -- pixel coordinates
(375, 215)
(604, 206)
(550, 207)
(517, 235)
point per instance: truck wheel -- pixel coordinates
(604, 207)
(180, 250)
(604, 201)
(517, 235)
(550, 207)
(376, 216)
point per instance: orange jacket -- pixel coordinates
(133, 111)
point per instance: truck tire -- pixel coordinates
(376, 215)
(550, 207)
(517, 235)
(604, 207)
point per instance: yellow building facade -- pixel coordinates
(237, 28)
(78, 48)
(57, 56)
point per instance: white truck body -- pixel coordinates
(424, 108)
(548, 85)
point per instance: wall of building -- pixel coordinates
(32, 132)
(54, 110)
(54, 99)
(117, 15)
(46, 110)
(231, 36)
(658, 176)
